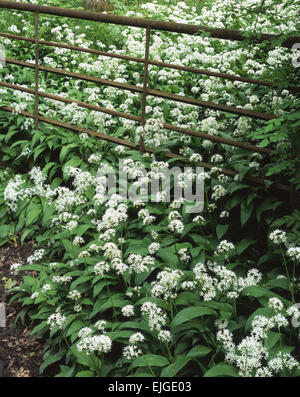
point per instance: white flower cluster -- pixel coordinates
(278, 237)
(36, 256)
(157, 318)
(15, 268)
(153, 248)
(56, 320)
(166, 283)
(184, 255)
(74, 295)
(225, 248)
(214, 279)
(94, 343)
(251, 355)
(294, 253)
(139, 264)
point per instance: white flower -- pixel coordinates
(176, 226)
(278, 237)
(195, 157)
(132, 351)
(128, 311)
(216, 158)
(74, 295)
(184, 255)
(166, 283)
(218, 192)
(37, 256)
(101, 325)
(294, 253)
(275, 304)
(153, 248)
(225, 247)
(189, 285)
(84, 332)
(136, 338)
(156, 316)
(165, 336)
(199, 220)
(56, 320)
(15, 268)
(78, 240)
(224, 214)
(95, 343)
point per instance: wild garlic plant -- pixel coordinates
(133, 287)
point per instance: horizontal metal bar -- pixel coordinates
(226, 34)
(67, 100)
(170, 127)
(218, 139)
(16, 37)
(74, 128)
(79, 76)
(156, 93)
(127, 143)
(212, 105)
(204, 72)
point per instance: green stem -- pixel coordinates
(281, 348)
(169, 353)
(291, 286)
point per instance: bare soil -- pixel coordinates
(20, 354)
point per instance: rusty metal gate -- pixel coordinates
(149, 26)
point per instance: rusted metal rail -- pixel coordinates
(145, 90)
(225, 34)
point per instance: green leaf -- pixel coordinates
(32, 215)
(190, 313)
(221, 230)
(243, 245)
(199, 351)
(221, 369)
(65, 150)
(174, 368)
(272, 339)
(85, 374)
(246, 211)
(75, 326)
(258, 292)
(151, 360)
(25, 234)
(168, 256)
(53, 358)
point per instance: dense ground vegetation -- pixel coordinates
(130, 287)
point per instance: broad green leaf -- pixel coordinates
(272, 339)
(199, 351)
(172, 369)
(221, 230)
(85, 374)
(190, 313)
(150, 360)
(75, 326)
(53, 358)
(220, 370)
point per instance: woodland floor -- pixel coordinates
(20, 354)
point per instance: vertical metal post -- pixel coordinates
(36, 70)
(145, 86)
